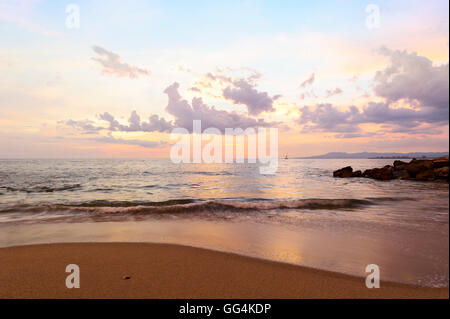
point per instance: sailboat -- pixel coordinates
(285, 157)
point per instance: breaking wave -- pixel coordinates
(182, 206)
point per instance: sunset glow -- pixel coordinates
(299, 67)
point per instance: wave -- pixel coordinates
(107, 203)
(42, 189)
(391, 199)
(186, 206)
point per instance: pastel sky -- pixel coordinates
(133, 70)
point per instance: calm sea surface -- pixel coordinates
(301, 215)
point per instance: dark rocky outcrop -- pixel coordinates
(440, 162)
(420, 170)
(384, 173)
(357, 174)
(347, 172)
(417, 166)
(426, 175)
(399, 164)
(401, 174)
(343, 172)
(441, 173)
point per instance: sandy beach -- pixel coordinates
(172, 271)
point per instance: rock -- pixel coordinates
(441, 173)
(416, 166)
(401, 174)
(440, 162)
(367, 173)
(126, 277)
(347, 172)
(421, 170)
(357, 174)
(343, 172)
(385, 173)
(399, 164)
(426, 175)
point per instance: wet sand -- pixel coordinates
(137, 270)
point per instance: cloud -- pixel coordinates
(181, 68)
(243, 92)
(239, 89)
(88, 127)
(329, 118)
(85, 126)
(402, 116)
(154, 124)
(414, 78)
(158, 124)
(308, 94)
(308, 82)
(113, 124)
(356, 135)
(409, 78)
(184, 113)
(147, 144)
(331, 93)
(112, 65)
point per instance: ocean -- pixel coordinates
(300, 215)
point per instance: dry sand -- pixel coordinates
(171, 271)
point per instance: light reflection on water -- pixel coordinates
(40, 181)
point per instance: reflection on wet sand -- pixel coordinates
(338, 251)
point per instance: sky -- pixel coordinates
(107, 78)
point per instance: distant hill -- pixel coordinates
(342, 155)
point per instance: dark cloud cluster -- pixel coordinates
(184, 113)
(112, 65)
(328, 118)
(416, 79)
(240, 90)
(409, 77)
(325, 117)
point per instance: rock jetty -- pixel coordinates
(419, 170)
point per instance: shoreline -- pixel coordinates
(176, 271)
